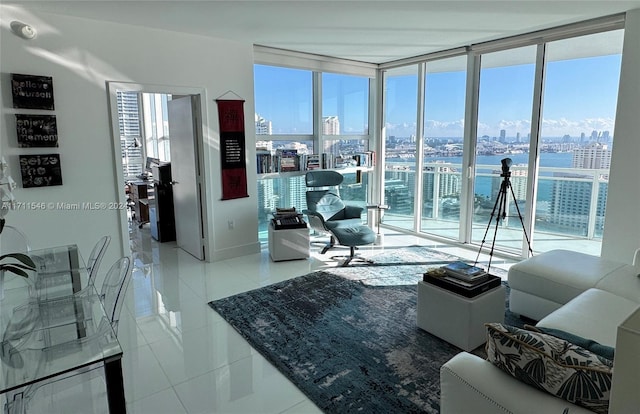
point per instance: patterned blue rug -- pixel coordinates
(347, 337)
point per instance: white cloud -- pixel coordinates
(563, 126)
(550, 127)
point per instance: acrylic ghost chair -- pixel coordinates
(112, 295)
(92, 265)
(13, 240)
(95, 257)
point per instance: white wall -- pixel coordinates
(622, 220)
(82, 55)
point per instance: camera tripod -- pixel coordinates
(500, 211)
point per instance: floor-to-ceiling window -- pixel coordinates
(345, 128)
(540, 114)
(503, 133)
(400, 123)
(284, 121)
(576, 137)
(309, 115)
(444, 105)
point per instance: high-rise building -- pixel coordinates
(518, 181)
(503, 136)
(570, 206)
(330, 125)
(593, 156)
(129, 113)
(130, 138)
(263, 126)
(449, 183)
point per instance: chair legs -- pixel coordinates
(352, 257)
(331, 244)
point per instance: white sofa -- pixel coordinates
(470, 384)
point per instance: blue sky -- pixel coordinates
(580, 96)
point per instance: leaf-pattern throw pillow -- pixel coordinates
(552, 365)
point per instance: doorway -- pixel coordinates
(142, 125)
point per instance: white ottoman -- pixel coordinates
(288, 244)
(543, 283)
(456, 319)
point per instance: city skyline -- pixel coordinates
(580, 97)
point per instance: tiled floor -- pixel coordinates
(179, 355)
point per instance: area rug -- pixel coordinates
(347, 337)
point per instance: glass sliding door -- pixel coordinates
(503, 132)
(444, 108)
(576, 138)
(400, 115)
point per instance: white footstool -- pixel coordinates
(456, 319)
(543, 283)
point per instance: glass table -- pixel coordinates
(53, 325)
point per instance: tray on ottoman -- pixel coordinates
(462, 289)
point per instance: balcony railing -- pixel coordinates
(570, 203)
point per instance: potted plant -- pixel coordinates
(17, 263)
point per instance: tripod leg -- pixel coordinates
(502, 198)
(524, 230)
(493, 214)
(499, 205)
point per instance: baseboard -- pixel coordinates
(236, 251)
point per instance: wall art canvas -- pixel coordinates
(40, 170)
(36, 130)
(32, 92)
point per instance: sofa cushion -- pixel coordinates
(623, 282)
(595, 314)
(597, 348)
(551, 364)
(559, 275)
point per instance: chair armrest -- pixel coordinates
(352, 211)
(470, 384)
(316, 221)
(313, 214)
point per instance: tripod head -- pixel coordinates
(506, 164)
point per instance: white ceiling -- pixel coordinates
(364, 30)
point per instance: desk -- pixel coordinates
(140, 193)
(43, 338)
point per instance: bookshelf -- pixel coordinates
(285, 161)
(349, 170)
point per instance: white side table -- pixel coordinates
(288, 244)
(457, 319)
